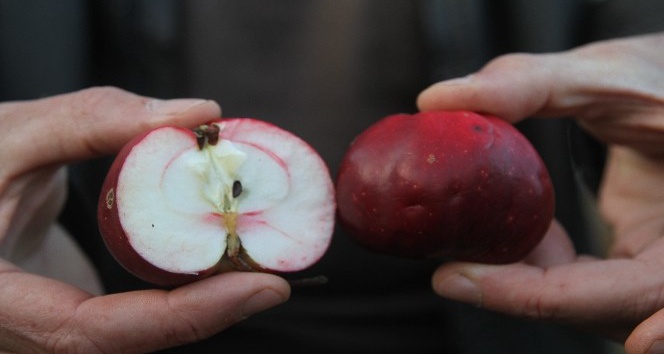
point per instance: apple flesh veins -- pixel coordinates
(236, 194)
(445, 184)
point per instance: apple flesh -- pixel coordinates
(179, 205)
(451, 184)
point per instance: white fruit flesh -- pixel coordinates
(177, 207)
(218, 171)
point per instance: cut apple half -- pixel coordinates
(235, 194)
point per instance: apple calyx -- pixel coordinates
(207, 134)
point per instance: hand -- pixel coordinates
(615, 90)
(39, 314)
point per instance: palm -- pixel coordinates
(614, 90)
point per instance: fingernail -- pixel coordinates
(460, 288)
(261, 301)
(458, 81)
(433, 89)
(174, 106)
(657, 348)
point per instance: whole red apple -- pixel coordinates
(236, 194)
(451, 184)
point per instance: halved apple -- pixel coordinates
(236, 194)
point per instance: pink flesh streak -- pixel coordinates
(272, 155)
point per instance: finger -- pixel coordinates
(586, 82)
(512, 87)
(554, 249)
(145, 321)
(87, 124)
(618, 292)
(647, 337)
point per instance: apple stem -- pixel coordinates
(236, 253)
(234, 249)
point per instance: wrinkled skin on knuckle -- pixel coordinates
(538, 308)
(87, 101)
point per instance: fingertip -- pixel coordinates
(213, 304)
(457, 286)
(148, 320)
(273, 283)
(252, 292)
(182, 111)
(240, 282)
(481, 93)
(511, 87)
(175, 106)
(438, 96)
(95, 121)
(263, 300)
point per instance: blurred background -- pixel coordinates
(325, 70)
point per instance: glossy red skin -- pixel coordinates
(445, 184)
(116, 239)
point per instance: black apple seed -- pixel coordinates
(237, 189)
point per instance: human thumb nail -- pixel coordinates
(460, 288)
(261, 301)
(458, 81)
(174, 106)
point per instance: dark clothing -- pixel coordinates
(324, 70)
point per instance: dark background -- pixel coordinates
(324, 70)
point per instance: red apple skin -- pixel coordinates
(452, 184)
(116, 239)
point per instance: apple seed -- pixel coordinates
(237, 189)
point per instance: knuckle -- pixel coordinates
(68, 339)
(101, 91)
(184, 328)
(90, 99)
(538, 308)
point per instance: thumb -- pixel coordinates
(647, 337)
(595, 80)
(148, 320)
(86, 124)
(555, 284)
(512, 87)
